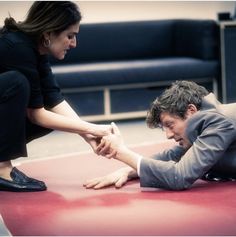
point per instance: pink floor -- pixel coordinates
(67, 208)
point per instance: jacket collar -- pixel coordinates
(210, 102)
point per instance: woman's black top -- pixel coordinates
(18, 52)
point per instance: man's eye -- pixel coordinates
(169, 125)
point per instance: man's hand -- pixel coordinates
(111, 143)
(117, 178)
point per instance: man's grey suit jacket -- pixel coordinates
(212, 133)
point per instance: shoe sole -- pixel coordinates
(21, 189)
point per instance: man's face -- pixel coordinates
(175, 127)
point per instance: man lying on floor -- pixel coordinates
(204, 129)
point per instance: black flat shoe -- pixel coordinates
(19, 175)
(19, 183)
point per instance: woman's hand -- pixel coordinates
(94, 138)
(117, 178)
(98, 130)
(92, 141)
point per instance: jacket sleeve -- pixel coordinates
(173, 154)
(215, 134)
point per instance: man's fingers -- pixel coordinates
(98, 183)
(103, 184)
(118, 178)
(122, 181)
(100, 145)
(91, 183)
(115, 129)
(105, 149)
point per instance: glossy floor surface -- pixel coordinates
(67, 208)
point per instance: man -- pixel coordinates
(204, 129)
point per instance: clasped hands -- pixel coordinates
(110, 145)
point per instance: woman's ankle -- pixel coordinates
(5, 170)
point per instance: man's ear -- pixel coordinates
(192, 109)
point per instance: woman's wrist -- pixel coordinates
(86, 128)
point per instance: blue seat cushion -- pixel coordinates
(137, 71)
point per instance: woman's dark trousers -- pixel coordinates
(15, 129)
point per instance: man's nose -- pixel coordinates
(169, 134)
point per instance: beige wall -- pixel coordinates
(107, 11)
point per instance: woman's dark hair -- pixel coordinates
(175, 101)
(46, 16)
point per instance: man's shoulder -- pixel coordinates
(207, 119)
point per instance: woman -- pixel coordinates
(31, 104)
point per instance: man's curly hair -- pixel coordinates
(175, 101)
